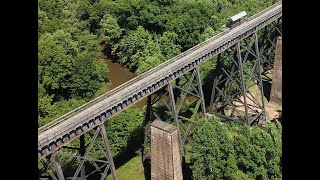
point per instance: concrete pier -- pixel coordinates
(276, 87)
(165, 153)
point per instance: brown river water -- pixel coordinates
(119, 75)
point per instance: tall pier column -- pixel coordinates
(165, 154)
(276, 87)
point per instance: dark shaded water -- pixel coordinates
(119, 75)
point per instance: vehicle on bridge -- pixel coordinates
(236, 19)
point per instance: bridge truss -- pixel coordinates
(81, 156)
(239, 62)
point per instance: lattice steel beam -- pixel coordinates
(83, 154)
(222, 97)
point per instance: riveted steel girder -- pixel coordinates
(82, 157)
(67, 128)
(230, 86)
(175, 101)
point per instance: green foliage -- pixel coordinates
(258, 153)
(148, 63)
(168, 45)
(208, 33)
(42, 21)
(142, 34)
(68, 72)
(110, 30)
(130, 170)
(164, 2)
(45, 107)
(86, 41)
(55, 55)
(55, 110)
(52, 8)
(191, 21)
(128, 26)
(246, 154)
(64, 106)
(67, 67)
(84, 83)
(124, 130)
(141, 50)
(274, 153)
(129, 48)
(211, 151)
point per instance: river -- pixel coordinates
(119, 75)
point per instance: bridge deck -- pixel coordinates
(64, 129)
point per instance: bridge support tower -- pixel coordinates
(165, 154)
(239, 69)
(276, 87)
(82, 157)
(168, 106)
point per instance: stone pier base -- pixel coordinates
(276, 87)
(165, 153)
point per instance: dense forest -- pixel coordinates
(140, 34)
(233, 151)
(74, 35)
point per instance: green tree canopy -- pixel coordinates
(66, 66)
(129, 48)
(211, 151)
(124, 129)
(110, 30)
(169, 45)
(233, 151)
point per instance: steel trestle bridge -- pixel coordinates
(92, 115)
